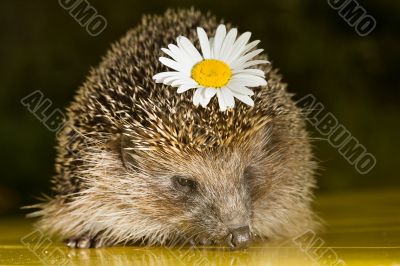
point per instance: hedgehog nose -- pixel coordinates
(239, 238)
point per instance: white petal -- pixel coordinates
(251, 54)
(159, 77)
(221, 101)
(183, 81)
(250, 46)
(243, 98)
(171, 54)
(252, 63)
(197, 96)
(185, 87)
(237, 83)
(204, 43)
(174, 65)
(245, 76)
(243, 59)
(204, 100)
(249, 80)
(227, 45)
(251, 71)
(172, 79)
(189, 48)
(238, 47)
(218, 40)
(211, 47)
(180, 54)
(240, 89)
(228, 97)
(210, 92)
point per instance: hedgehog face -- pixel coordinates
(201, 197)
(206, 198)
(215, 200)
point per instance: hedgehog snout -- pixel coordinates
(239, 237)
(238, 230)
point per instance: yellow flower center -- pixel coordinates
(211, 73)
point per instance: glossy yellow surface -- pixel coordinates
(362, 228)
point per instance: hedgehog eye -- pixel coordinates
(184, 184)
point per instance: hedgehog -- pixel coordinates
(138, 163)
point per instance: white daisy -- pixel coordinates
(223, 68)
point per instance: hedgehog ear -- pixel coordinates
(267, 137)
(263, 139)
(125, 152)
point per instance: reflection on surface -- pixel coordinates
(288, 255)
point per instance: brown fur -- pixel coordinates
(126, 136)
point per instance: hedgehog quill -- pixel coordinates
(183, 133)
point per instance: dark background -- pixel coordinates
(43, 48)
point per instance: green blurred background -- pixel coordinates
(44, 48)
